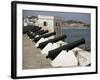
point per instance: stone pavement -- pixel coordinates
(32, 57)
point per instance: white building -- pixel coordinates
(50, 23)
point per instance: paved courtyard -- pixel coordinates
(32, 57)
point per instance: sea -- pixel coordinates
(76, 34)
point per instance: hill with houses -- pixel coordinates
(75, 24)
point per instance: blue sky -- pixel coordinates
(84, 17)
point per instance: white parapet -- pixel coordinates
(51, 37)
(41, 40)
(48, 47)
(61, 43)
(64, 58)
(84, 57)
(36, 36)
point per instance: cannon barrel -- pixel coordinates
(38, 33)
(36, 29)
(41, 33)
(29, 33)
(43, 44)
(25, 30)
(30, 28)
(44, 36)
(33, 34)
(53, 53)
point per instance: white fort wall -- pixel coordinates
(46, 22)
(50, 23)
(57, 26)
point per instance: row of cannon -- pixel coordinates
(59, 52)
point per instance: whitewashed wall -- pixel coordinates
(49, 20)
(57, 28)
(52, 22)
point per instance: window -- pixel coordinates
(45, 23)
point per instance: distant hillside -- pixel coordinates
(75, 24)
(73, 21)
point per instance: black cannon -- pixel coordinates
(41, 33)
(36, 29)
(30, 28)
(33, 34)
(25, 30)
(38, 33)
(44, 36)
(53, 53)
(43, 44)
(29, 33)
